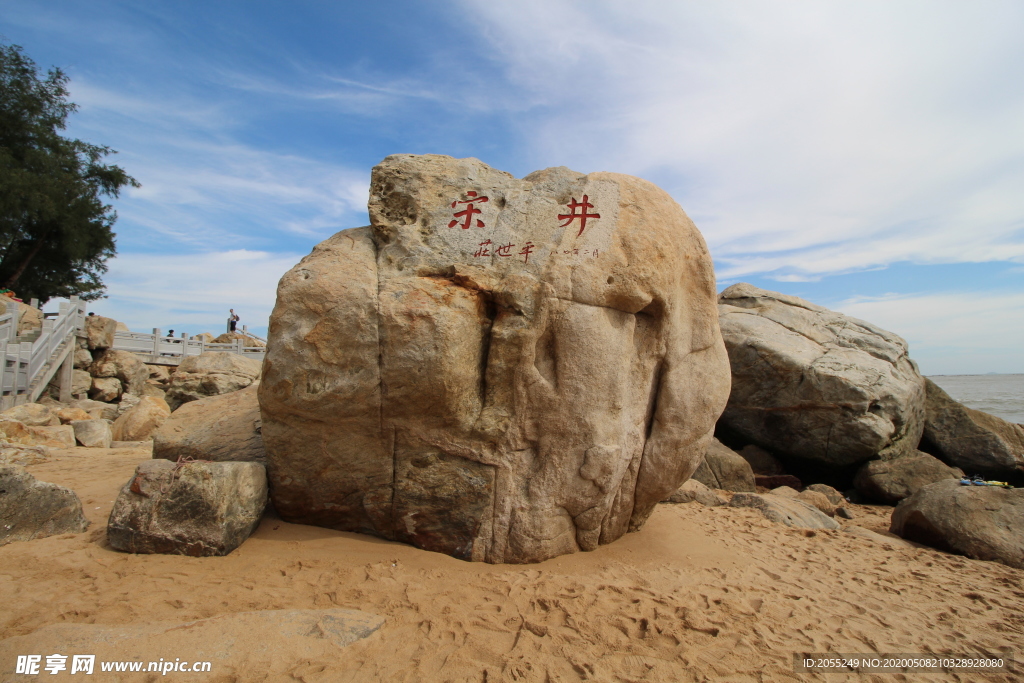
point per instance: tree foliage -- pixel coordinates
(55, 229)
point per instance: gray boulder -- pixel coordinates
(784, 510)
(890, 481)
(32, 509)
(92, 433)
(983, 522)
(723, 468)
(199, 509)
(211, 373)
(692, 491)
(218, 428)
(974, 441)
(816, 385)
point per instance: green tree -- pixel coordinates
(55, 229)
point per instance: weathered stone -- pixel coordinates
(694, 491)
(67, 414)
(97, 410)
(815, 385)
(787, 491)
(231, 337)
(983, 522)
(218, 428)
(211, 373)
(60, 436)
(20, 454)
(127, 402)
(121, 327)
(83, 359)
(123, 365)
(140, 421)
(509, 402)
(155, 390)
(776, 480)
(723, 468)
(976, 442)
(818, 500)
(32, 509)
(105, 388)
(29, 318)
(99, 331)
(199, 509)
(81, 382)
(204, 337)
(761, 461)
(92, 433)
(160, 373)
(783, 510)
(890, 481)
(32, 415)
(834, 497)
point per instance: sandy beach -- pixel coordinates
(699, 594)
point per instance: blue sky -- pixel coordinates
(867, 156)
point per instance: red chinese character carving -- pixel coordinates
(582, 215)
(504, 250)
(469, 211)
(483, 250)
(526, 251)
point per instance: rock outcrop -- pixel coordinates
(211, 373)
(976, 442)
(890, 481)
(476, 375)
(785, 510)
(125, 366)
(219, 428)
(815, 385)
(32, 509)
(724, 468)
(199, 509)
(983, 522)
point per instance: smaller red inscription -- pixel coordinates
(504, 250)
(484, 249)
(526, 251)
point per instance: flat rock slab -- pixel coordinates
(198, 508)
(783, 510)
(983, 522)
(272, 642)
(32, 509)
(499, 369)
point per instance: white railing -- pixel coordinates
(27, 367)
(156, 348)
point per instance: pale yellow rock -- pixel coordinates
(61, 436)
(32, 415)
(69, 414)
(28, 318)
(512, 391)
(105, 389)
(210, 374)
(99, 331)
(140, 421)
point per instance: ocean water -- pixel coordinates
(999, 395)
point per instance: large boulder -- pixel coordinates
(724, 468)
(123, 365)
(785, 510)
(813, 385)
(140, 421)
(983, 522)
(105, 389)
(974, 441)
(32, 415)
(99, 332)
(890, 481)
(218, 428)
(211, 373)
(32, 509)
(477, 376)
(199, 508)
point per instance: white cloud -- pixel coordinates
(192, 292)
(952, 333)
(815, 137)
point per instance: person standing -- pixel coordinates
(232, 320)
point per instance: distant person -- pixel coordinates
(170, 333)
(232, 320)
